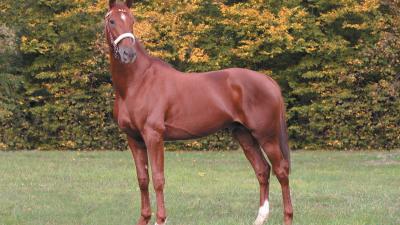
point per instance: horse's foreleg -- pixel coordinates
(155, 146)
(262, 169)
(281, 170)
(139, 153)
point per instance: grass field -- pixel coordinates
(210, 188)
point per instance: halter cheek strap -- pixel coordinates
(123, 36)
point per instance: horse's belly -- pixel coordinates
(174, 134)
(196, 127)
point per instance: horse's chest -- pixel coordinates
(123, 119)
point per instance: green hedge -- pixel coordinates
(337, 63)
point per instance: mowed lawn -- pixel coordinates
(206, 188)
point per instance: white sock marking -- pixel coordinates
(263, 213)
(165, 222)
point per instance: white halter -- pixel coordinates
(123, 36)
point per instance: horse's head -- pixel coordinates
(118, 28)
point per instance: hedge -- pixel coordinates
(337, 63)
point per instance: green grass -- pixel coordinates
(202, 188)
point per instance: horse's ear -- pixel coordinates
(129, 3)
(111, 3)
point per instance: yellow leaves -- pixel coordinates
(280, 33)
(247, 16)
(367, 6)
(24, 40)
(201, 174)
(170, 28)
(261, 26)
(362, 26)
(69, 145)
(245, 49)
(266, 72)
(331, 47)
(94, 8)
(80, 2)
(3, 146)
(34, 46)
(144, 30)
(384, 84)
(46, 75)
(249, 13)
(355, 61)
(198, 56)
(182, 53)
(311, 48)
(65, 47)
(69, 13)
(90, 62)
(335, 143)
(193, 144)
(350, 7)
(84, 7)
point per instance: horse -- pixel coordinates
(155, 103)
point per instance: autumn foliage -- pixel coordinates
(337, 62)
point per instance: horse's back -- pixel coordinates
(247, 79)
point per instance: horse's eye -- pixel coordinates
(112, 22)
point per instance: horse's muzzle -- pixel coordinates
(127, 55)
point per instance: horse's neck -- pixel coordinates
(125, 75)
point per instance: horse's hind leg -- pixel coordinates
(280, 167)
(262, 169)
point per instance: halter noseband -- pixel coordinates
(119, 38)
(123, 36)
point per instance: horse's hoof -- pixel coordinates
(165, 222)
(263, 213)
(144, 220)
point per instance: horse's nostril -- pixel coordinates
(127, 54)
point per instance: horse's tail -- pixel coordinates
(283, 136)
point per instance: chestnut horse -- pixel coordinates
(154, 102)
